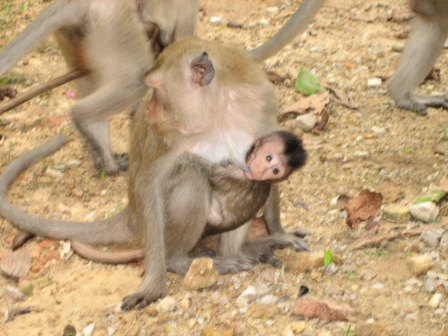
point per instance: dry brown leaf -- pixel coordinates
(315, 103)
(16, 264)
(365, 205)
(340, 97)
(323, 120)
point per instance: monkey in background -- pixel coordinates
(421, 51)
(109, 45)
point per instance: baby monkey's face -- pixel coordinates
(267, 161)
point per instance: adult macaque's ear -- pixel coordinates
(202, 70)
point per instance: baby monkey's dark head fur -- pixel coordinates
(293, 149)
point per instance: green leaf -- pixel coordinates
(432, 196)
(328, 258)
(307, 83)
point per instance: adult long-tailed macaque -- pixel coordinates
(421, 51)
(208, 100)
(234, 194)
(111, 44)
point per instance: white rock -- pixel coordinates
(435, 300)
(306, 121)
(378, 130)
(111, 331)
(398, 47)
(426, 211)
(378, 285)
(374, 82)
(215, 20)
(87, 331)
(272, 10)
(413, 282)
(268, 299)
(53, 173)
(263, 23)
(362, 154)
(247, 296)
(167, 304)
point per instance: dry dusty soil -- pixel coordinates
(376, 147)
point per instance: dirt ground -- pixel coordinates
(348, 43)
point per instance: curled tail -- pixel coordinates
(294, 26)
(115, 229)
(58, 14)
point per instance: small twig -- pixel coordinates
(27, 95)
(376, 240)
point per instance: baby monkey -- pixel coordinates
(236, 194)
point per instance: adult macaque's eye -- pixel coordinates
(269, 158)
(275, 171)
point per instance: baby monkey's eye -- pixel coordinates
(275, 171)
(269, 158)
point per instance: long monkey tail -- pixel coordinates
(58, 14)
(115, 229)
(295, 25)
(120, 257)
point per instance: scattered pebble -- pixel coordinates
(374, 82)
(201, 274)
(430, 285)
(420, 264)
(247, 296)
(378, 130)
(362, 154)
(111, 331)
(215, 20)
(88, 331)
(62, 208)
(166, 305)
(378, 285)
(306, 122)
(272, 10)
(368, 275)
(268, 299)
(426, 211)
(331, 269)
(263, 23)
(398, 47)
(57, 174)
(435, 300)
(13, 294)
(432, 237)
